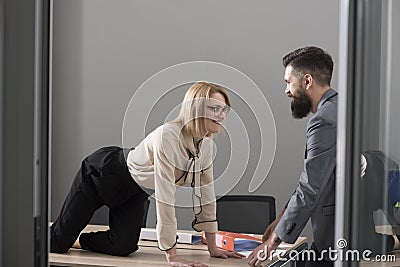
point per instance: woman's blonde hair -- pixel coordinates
(192, 113)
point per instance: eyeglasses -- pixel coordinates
(218, 109)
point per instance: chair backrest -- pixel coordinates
(373, 194)
(245, 214)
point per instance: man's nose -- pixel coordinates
(287, 91)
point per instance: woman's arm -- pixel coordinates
(206, 220)
(205, 214)
(164, 156)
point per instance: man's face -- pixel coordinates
(301, 102)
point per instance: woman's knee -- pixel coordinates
(123, 249)
(123, 245)
(55, 247)
(104, 242)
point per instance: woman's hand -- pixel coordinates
(179, 262)
(219, 253)
(174, 260)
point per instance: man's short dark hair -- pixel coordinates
(312, 60)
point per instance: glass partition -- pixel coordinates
(369, 199)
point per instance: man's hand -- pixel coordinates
(270, 229)
(264, 251)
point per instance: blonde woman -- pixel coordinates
(177, 153)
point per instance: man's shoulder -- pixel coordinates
(327, 112)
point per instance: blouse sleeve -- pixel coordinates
(164, 186)
(205, 217)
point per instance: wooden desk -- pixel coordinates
(147, 255)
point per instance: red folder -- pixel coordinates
(226, 240)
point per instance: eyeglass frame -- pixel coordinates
(225, 109)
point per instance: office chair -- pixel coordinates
(376, 207)
(245, 214)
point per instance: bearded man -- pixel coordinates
(308, 73)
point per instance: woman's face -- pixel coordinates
(216, 112)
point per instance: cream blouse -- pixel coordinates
(166, 159)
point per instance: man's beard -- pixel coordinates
(301, 104)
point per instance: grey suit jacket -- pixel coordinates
(314, 196)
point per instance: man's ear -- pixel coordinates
(308, 80)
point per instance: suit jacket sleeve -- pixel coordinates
(318, 167)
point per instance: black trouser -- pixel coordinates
(103, 179)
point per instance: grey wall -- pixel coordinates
(389, 87)
(104, 50)
(394, 110)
